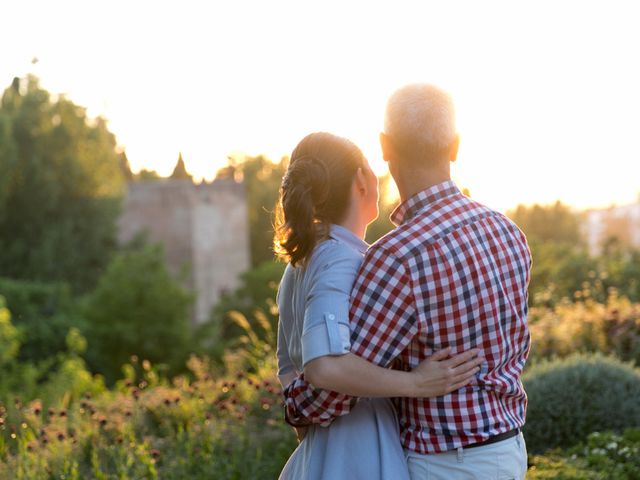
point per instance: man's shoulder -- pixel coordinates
(438, 221)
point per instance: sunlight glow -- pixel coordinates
(546, 93)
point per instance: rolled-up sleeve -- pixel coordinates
(326, 317)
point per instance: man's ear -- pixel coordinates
(453, 149)
(386, 145)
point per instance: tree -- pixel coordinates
(60, 188)
(555, 223)
(137, 308)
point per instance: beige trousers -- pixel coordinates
(505, 460)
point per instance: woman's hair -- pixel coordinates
(314, 193)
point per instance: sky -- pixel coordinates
(547, 93)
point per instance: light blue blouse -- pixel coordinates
(314, 302)
(314, 321)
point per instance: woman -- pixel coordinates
(328, 196)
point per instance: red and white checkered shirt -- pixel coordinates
(453, 274)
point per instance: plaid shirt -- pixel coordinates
(453, 274)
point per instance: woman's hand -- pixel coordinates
(439, 375)
(301, 432)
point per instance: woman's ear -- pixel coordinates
(360, 181)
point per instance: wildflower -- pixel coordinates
(127, 413)
(37, 410)
(142, 384)
(239, 375)
(61, 436)
(128, 383)
(136, 393)
(167, 402)
(52, 412)
(249, 382)
(119, 440)
(30, 447)
(155, 453)
(87, 395)
(208, 415)
(103, 422)
(63, 413)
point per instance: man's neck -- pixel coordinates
(414, 181)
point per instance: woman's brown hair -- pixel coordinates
(314, 193)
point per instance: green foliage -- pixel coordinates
(612, 327)
(256, 294)
(60, 183)
(604, 456)
(572, 397)
(44, 313)
(548, 223)
(209, 423)
(137, 308)
(9, 336)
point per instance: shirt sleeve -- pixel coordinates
(383, 310)
(285, 365)
(326, 316)
(326, 332)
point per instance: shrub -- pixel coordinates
(572, 397)
(44, 313)
(603, 456)
(137, 308)
(612, 327)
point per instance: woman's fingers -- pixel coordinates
(440, 355)
(461, 358)
(458, 385)
(465, 376)
(469, 365)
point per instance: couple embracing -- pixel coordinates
(401, 359)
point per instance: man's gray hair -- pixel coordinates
(420, 119)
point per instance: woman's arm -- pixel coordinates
(352, 375)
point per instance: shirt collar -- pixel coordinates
(345, 235)
(410, 207)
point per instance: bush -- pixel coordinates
(612, 327)
(573, 397)
(44, 313)
(137, 308)
(254, 300)
(208, 424)
(603, 456)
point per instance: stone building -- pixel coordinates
(620, 222)
(202, 227)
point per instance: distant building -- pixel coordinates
(203, 227)
(622, 223)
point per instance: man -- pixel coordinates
(454, 273)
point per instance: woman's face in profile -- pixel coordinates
(370, 205)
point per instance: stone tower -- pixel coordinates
(203, 227)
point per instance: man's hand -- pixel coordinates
(439, 375)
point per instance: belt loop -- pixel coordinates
(460, 455)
